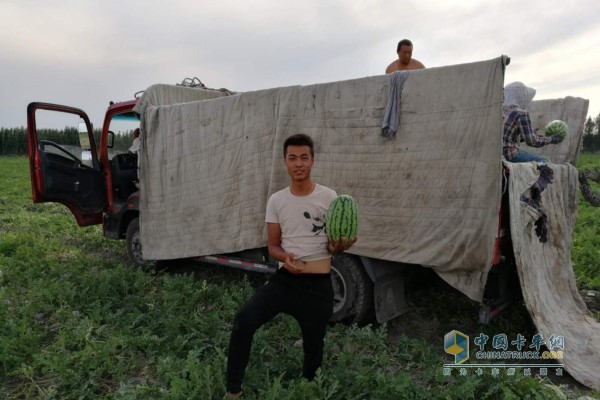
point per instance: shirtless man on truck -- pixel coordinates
(405, 60)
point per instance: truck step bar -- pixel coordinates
(232, 262)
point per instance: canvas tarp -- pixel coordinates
(545, 267)
(430, 195)
(573, 111)
(166, 95)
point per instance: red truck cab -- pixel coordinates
(91, 172)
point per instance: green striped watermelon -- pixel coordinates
(342, 218)
(556, 127)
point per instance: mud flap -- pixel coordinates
(388, 287)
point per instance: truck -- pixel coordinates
(100, 182)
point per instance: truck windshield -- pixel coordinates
(123, 127)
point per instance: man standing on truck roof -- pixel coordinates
(405, 61)
(302, 285)
(517, 125)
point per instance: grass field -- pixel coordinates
(77, 322)
(586, 241)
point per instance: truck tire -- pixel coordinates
(134, 246)
(352, 289)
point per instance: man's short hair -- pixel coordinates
(404, 42)
(299, 139)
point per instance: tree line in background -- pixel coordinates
(13, 141)
(591, 135)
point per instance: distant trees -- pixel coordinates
(13, 141)
(591, 135)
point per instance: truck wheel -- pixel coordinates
(134, 246)
(352, 290)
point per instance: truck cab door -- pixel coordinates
(63, 161)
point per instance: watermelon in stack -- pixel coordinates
(557, 127)
(342, 218)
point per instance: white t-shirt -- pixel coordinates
(302, 221)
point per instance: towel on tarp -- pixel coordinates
(391, 116)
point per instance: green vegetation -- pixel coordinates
(586, 240)
(77, 322)
(591, 136)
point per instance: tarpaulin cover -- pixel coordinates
(429, 195)
(573, 111)
(545, 267)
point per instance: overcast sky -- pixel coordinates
(85, 53)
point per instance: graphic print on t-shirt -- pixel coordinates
(318, 222)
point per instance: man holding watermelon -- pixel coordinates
(302, 286)
(517, 125)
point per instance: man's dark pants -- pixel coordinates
(306, 297)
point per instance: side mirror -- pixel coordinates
(110, 140)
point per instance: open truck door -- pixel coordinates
(64, 162)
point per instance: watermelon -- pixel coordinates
(342, 218)
(557, 127)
